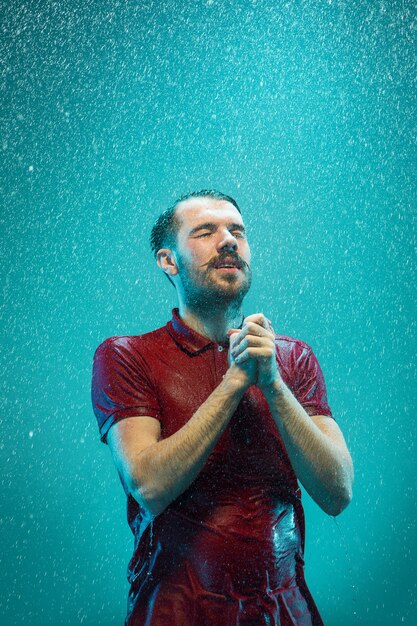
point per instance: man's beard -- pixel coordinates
(202, 290)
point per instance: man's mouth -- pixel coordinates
(228, 263)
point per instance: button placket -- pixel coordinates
(219, 354)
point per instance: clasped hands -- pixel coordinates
(252, 351)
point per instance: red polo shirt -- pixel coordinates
(229, 550)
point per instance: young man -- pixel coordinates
(223, 417)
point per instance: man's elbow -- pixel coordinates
(338, 493)
(342, 490)
(149, 499)
(338, 503)
(140, 482)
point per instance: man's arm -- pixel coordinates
(157, 471)
(315, 445)
(316, 448)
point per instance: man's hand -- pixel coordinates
(254, 345)
(242, 374)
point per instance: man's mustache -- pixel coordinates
(227, 256)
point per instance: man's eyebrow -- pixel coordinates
(237, 227)
(211, 226)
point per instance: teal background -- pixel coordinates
(304, 112)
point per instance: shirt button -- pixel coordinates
(220, 348)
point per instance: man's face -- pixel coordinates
(212, 252)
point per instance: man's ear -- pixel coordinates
(165, 258)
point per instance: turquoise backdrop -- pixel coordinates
(305, 112)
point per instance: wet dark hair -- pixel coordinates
(165, 229)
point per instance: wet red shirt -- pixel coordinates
(230, 549)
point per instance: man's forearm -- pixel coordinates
(323, 467)
(166, 468)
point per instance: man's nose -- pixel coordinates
(227, 241)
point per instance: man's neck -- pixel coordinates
(213, 324)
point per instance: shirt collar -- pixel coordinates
(188, 338)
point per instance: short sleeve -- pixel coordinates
(121, 385)
(311, 388)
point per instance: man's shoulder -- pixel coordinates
(134, 342)
(287, 345)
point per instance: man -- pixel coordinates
(223, 417)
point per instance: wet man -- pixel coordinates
(211, 420)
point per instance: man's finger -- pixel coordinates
(245, 332)
(257, 318)
(261, 320)
(263, 353)
(251, 328)
(250, 341)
